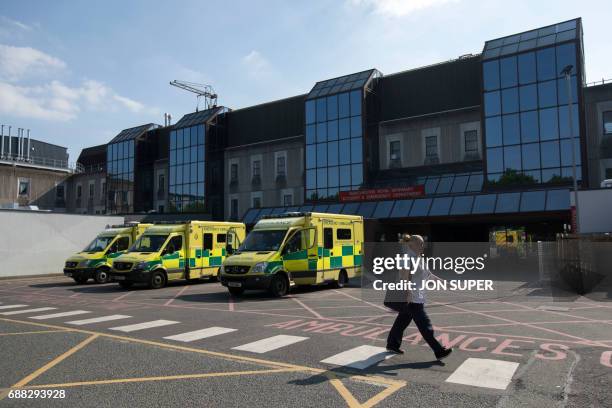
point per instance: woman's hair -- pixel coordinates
(403, 237)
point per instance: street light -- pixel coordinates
(568, 80)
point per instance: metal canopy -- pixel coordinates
(133, 133)
(197, 118)
(341, 84)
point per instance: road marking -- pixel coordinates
(98, 319)
(35, 332)
(55, 315)
(269, 344)
(15, 312)
(49, 365)
(482, 372)
(553, 308)
(359, 357)
(11, 306)
(142, 326)
(200, 334)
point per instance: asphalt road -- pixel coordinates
(195, 345)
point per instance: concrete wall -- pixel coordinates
(38, 243)
(594, 210)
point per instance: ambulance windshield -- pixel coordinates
(149, 243)
(263, 240)
(99, 244)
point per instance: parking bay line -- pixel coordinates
(360, 357)
(270, 343)
(200, 334)
(15, 312)
(98, 319)
(11, 307)
(145, 325)
(62, 314)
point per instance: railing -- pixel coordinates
(41, 161)
(602, 82)
(94, 168)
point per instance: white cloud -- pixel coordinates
(257, 65)
(19, 62)
(59, 102)
(5, 21)
(398, 8)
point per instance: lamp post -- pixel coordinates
(568, 81)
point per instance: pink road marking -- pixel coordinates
(118, 298)
(361, 300)
(299, 302)
(179, 293)
(559, 333)
(522, 324)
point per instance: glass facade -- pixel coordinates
(186, 168)
(525, 100)
(334, 144)
(120, 173)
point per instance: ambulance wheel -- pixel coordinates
(80, 280)
(236, 291)
(279, 286)
(126, 285)
(342, 280)
(101, 276)
(158, 280)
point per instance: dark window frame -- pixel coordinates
(341, 234)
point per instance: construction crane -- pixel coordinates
(201, 90)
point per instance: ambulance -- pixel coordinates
(173, 251)
(95, 260)
(296, 248)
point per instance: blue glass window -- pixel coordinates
(531, 156)
(356, 130)
(549, 174)
(344, 129)
(321, 110)
(322, 177)
(548, 94)
(431, 185)
(550, 154)
(356, 103)
(440, 206)
(508, 70)
(475, 183)
(527, 68)
(311, 156)
(332, 153)
(345, 151)
(335, 208)
(511, 129)
(564, 121)
(546, 64)
(510, 100)
(495, 160)
(533, 201)
(321, 154)
(557, 200)
(356, 175)
(549, 127)
(321, 132)
(366, 209)
(492, 103)
(310, 134)
(566, 55)
(460, 184)
(508, 202)
(333, 176)
(529, 127)
(332, 130)
(490, 72)
(332, 107)
(493, 131)
(356, 150)
(529, 97)
(350, 208)
(420, 208)
(343, 105)
(562, 88)
(383, 209)
(566, 152)
(484, 204)
(311, 179)
(445, 185)
(345, 176)
(401, 209)
(512, 157)
(462, 205)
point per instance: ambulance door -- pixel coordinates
(173, 257)
(299, 256)
(328, 253)
(233, 242)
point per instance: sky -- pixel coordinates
(78, 72)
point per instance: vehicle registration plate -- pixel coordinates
(234, 284)
(118, 277)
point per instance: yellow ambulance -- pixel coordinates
(172, 251)
(296, 249)
(95, 260)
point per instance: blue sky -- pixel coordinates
(77, 72)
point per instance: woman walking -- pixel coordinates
(413, 307)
